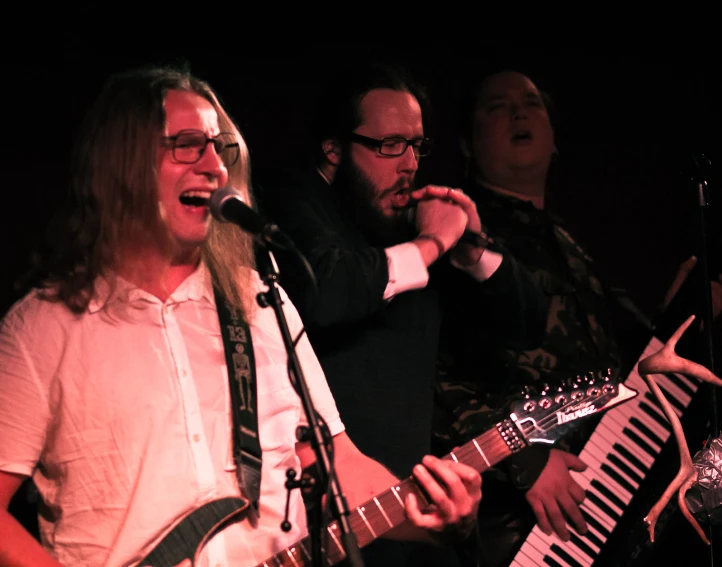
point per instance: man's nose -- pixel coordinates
(410, 159)
(519, 112)
(211, 162)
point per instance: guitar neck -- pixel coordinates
(386, 511)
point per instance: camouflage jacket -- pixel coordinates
(476, 378)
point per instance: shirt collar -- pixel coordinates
(113, 288)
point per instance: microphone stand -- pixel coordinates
(707, 316)
(316, 434)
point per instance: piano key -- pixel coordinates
(621, 465)
(597, 533)
(620, 479)
(656, 415)
(638, 383)
(683, 383)
(531, 554)
(678, 406)
(599, 500)
(675, 395)
(606, 438)
(592, 513)
(630, 458)
(639, 423)
(664, 379)
(605, 487)
(636, 412)
(617, 469)
(603, 505)
(567, 557)
(584, 545)
(549, 560)
(635, 436)
(544, 544)
(675, 391)
(597, 473)
(641, 443)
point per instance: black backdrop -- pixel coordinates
(629, 120)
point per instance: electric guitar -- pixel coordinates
(545, 418)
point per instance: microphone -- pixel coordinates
(227, 206)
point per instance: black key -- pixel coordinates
(550, 561)
(681, 384)
(608, 493)
(583, 547)
(564, 555)
(592, 521)
(621, 481)
(640, 442)
(647, 431)
(671, 399)
(622, 450)
(660, 419)
(626, 469)
(603, 506)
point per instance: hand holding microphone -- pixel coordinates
(436, 219)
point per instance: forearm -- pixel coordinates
(18, 548)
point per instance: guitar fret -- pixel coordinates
(381, 509)
(363, 517)
(290, 554)
(483, 456)
(332, 532)
(305, 551)
(394, 490)
(453, 457)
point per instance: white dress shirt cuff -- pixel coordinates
(406, 269)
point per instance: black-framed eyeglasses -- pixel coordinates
(395, 146)
(188, 146)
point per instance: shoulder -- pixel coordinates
(37, 319)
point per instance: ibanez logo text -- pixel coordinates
(576, 414)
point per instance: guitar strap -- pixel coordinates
(242, 378)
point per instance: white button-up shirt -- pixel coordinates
(122, 417)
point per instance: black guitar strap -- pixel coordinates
(242, 377)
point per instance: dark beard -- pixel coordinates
(358, 195)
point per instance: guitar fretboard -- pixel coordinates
(387, 510)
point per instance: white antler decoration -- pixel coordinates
(663, 361)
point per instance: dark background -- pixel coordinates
(629, 120)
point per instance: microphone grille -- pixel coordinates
(218, 198)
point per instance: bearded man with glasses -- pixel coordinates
(380, 247)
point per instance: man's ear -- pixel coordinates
(332, 150)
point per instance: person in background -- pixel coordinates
(375, 241)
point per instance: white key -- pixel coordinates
(544, 540)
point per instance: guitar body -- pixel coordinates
(189, 536)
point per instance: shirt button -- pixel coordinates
(196, 438)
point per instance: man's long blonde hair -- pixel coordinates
(114, 189)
